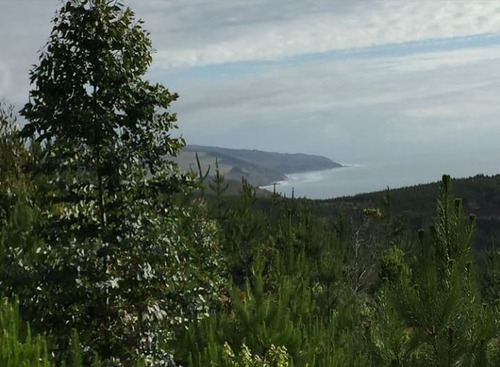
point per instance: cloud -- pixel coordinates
(348, 79)
(351, 107)
(5, 79)
(202, 33)
(446, 59)
(26, 27)
(197, 32)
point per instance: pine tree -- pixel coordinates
(17, 346)
(431, 313)
(14, 155)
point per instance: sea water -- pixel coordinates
(380, 174)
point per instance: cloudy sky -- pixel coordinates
(353, 80)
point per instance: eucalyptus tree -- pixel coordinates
(115, 263)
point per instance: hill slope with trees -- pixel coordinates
(109, 257)
(416, 204)
(257, 167)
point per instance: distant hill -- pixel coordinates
(257, 167)
(417, 204)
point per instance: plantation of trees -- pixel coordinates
(110, 256)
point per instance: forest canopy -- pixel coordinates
(110, 256)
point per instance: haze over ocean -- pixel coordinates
(376, 175)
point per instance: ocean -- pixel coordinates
(375, 175)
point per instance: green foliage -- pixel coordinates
(202, 176)
(204, 267)
(13, 156)
(20, 249)
(258, 319)
(266, 318)
(243, 231)
(415, 205)
(106, 250)
(488, 268)
(219, 187)
(433, 315)
(112, 259)
(293, 293)
(274, 357)
(393, 266)
(18, 348)
(419, 306)
(392, 343)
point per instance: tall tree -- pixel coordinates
(115, 264)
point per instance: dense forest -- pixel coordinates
(416, 205)
(110, 256)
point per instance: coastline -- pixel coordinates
(311, 176)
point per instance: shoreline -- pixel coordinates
(315, 174)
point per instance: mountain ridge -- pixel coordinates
(259, 168)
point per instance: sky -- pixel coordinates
(352, 80)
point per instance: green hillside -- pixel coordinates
(257, 167)
(417, 204)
